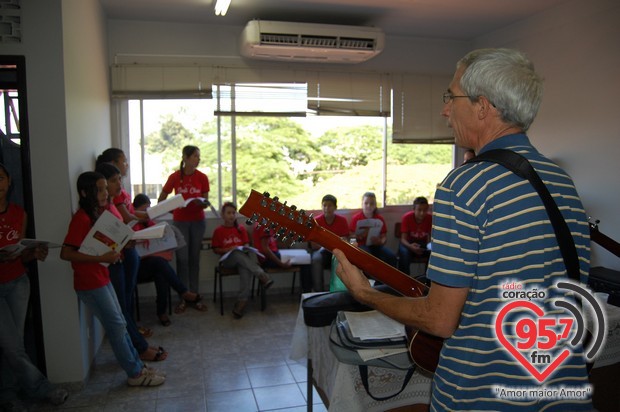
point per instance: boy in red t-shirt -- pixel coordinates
(415, 234)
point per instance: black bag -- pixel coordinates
(344, 346)
(321, 310)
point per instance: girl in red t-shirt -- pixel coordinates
(231, 242)
(14, 296)
(190, 220)
(91, 280)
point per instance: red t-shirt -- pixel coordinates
(339, 226)
(416, 232)
(86, 276)
(194, 185)
(124, 199)
(11, 226)
(260, 233)
(360, 216)
(225, 237)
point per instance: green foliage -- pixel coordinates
(277, 155)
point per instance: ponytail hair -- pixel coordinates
(187, 152)
(110, 155)
(232, 205)
(87, 191)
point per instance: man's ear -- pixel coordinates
(485, 107)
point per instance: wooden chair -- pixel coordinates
(423, 260)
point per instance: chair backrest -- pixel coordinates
(397, 230)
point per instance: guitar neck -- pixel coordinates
(605, 241)
(375, 267)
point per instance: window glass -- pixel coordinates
(298, 159)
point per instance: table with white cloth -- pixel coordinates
(340, 385)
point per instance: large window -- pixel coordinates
(299, 159)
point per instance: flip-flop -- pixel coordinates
(146, 332)
(160, 355)
(200, 306)
(180, 308)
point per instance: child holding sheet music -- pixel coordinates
(361, 225)
(124, 274)
(155, 267)
(190, 220)
(91, 280)
(16, 368)
(231, 242)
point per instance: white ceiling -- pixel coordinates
(448, 19)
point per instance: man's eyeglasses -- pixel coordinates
(447, 97)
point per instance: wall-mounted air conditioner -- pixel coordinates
(308, 42)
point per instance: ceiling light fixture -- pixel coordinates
(221, 7)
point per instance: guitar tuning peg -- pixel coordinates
(272, 206)
(293, 208)
(309, 224)
(281, 212)
(263, 202)
(252, 219)
(273, 225)
(249, 222)
(299, 239)
(291, 216)
(263, 221)
(275, 199)
(266, 194)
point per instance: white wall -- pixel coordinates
(68, 106)
(576, 47)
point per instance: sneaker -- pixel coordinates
(57, 396)
(239, 308)
(156, 371)
(146, 378)
(265, 280)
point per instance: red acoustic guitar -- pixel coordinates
(293, 226)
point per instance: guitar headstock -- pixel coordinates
(286, 222)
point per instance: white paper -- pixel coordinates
(191, 199)
(108, 233)
(24, 244)
(295, 256)
(152, 232)
(165, 206)
(370, 227)
(374, 325)
(241, 248)
(167, 242)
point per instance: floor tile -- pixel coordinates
(279, 397)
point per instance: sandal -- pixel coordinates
(200, 306)
(180, 308)
(197, 299)
(160, 354)
(164, 320)
(146, 332)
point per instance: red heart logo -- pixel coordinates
(530, 326)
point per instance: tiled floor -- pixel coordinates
(215, 363)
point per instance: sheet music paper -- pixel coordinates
(374, 325)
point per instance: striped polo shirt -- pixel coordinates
(491, 232)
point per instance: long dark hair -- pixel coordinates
(108, 170)
(109, 155)
(231, 204)
(187, 152)
(87, 191)
(8, 175)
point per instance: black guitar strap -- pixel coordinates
(522, 168)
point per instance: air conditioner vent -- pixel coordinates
(272, 40)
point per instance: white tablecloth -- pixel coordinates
(342, 384)
(610, 353)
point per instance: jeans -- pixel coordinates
(381, 252)
(246, 263)
(104, 305)
(321, 260)
(405, 256)
(18, 372)
(119, 284)
(188, 257)
(158, 269)
(131, 264)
